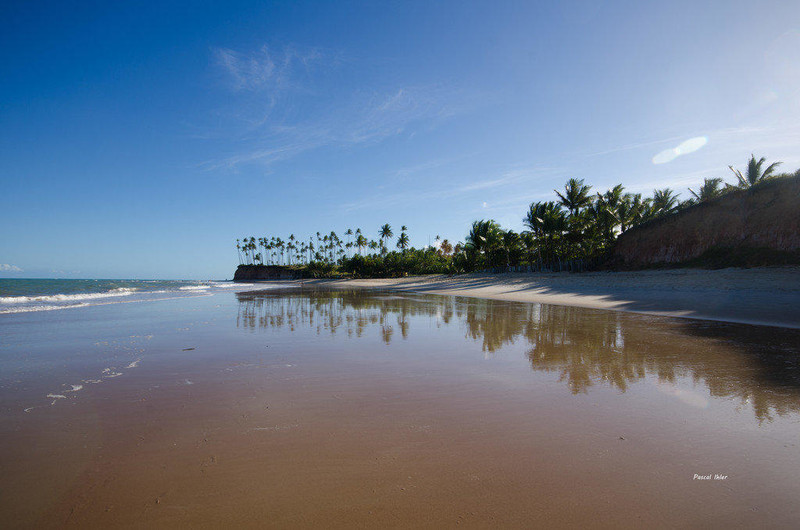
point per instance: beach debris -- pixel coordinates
(277, 427)
(188, 349)
(56, 397)
(109, 372)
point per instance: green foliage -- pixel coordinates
(754, 173)
(396, 264)
(711, 189)
(579, 226)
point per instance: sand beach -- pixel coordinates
(765, 296)
(477, 401)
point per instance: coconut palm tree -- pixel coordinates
(385, 234)
(445, 248)
(484, 235)
(576, 195)
(349, 234)
(252, 247)
(632, 210)
(710, 189)
(361, 241)
(664, 202)
(402, 241)
(548, 222)
(544, 217)
(754, 172)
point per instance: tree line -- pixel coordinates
(580, 224)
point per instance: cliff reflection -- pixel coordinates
(759, 367)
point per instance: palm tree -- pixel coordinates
(281, 247)
(631, 210)
(710, 189)
(548, 222)
(252, 248)
(512, 248)
(445, 248)
(664, 202)
(484, 235)
(361, 241)
(385, 234)
(754, 172)
(544, 217)
(576, 195)
(349, 234)
(402, 241)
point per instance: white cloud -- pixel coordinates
(5, 267)
(264, 69)
(279, 109)
(684, 148)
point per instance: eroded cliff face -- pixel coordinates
(764, 217)
(246, 273)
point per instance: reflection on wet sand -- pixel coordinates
(759, 367)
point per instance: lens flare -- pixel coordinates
(689, 146)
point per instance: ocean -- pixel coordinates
(30, 295)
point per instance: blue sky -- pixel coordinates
(140, 140)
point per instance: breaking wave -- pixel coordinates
(121, 291)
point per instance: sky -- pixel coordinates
(141, 139)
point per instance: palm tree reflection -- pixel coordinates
(756, 366)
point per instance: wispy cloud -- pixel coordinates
(633, 146)
(279, 99)
(265, 69)
(454, 189)
(5, 267)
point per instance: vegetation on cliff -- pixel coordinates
(576, 231)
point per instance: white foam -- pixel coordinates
(110, 372)
(134, 364)
(56, 397)
(75, 388)
(35, 308)
(194, 287)
(122, 291)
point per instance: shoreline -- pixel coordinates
(768, 296)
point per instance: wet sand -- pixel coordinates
(343, 409)
(766, 296)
